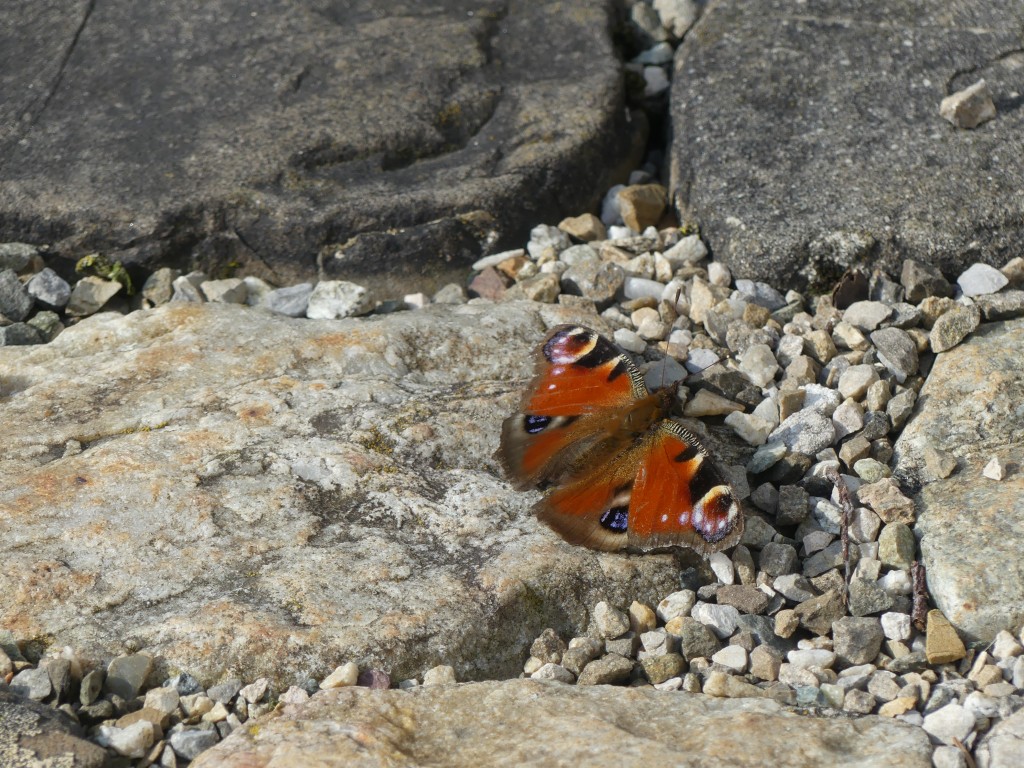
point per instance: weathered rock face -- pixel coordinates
(972, 528)
(244, 494)
(382, 137)
(526, 722)
(808, 137)
(33, 734)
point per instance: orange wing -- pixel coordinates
(662, 492)
(581, 381)
(679, 498)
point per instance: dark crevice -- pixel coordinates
(950, 88)
(52, 90)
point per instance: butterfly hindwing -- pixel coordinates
(580, 376)
(678, 496)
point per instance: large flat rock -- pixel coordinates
(971, 527)
(243, 494)
(808, 135)
(527, 722)
(374, 136)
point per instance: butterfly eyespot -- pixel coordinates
(534, 424)
(616, 519)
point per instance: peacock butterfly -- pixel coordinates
(619, 473)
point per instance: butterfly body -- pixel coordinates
(620, 473)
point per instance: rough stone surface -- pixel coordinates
(1004, 744)
(261, 496)
(970, 407)
(595, 726)
(36, 735)
(831, 124)
(251, 149)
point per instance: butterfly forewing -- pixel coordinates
(580, 379)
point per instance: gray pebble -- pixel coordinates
(291, 301)
(611, 669)
(896, 351)
(20, 334)
(766, 456)
(696, 639)
(922, 280)
(897, 546)
(16, 256)
(92, 685)
(1001, 306)
(127, 674)
(867, 315)
(189, 742)
(49, 289)
(777, 559)
(867, 597)
(226, 691)
(159, 286)
(857, 640)
(15, 301)
(32, 683)
(761, 294)
(806, 432)
(595, 280)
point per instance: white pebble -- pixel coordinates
(995, 469)
(620, 233)
(699, 359)
(750, 427)
(720, 619)
(719, 274)
(981, 279)
(642, 288)
(629, 341)
(896, 626)
(442, 674)
(550, 671)
(758, 364)
(676, 604)
(1005, 646)
(814, 657)
(948, 757)
(655, 81)
(951, 722)
(294, 695)
(689, 250)
(896, 582)
(732, 656)
(345, 675)
(131, 741)
(721, 564)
